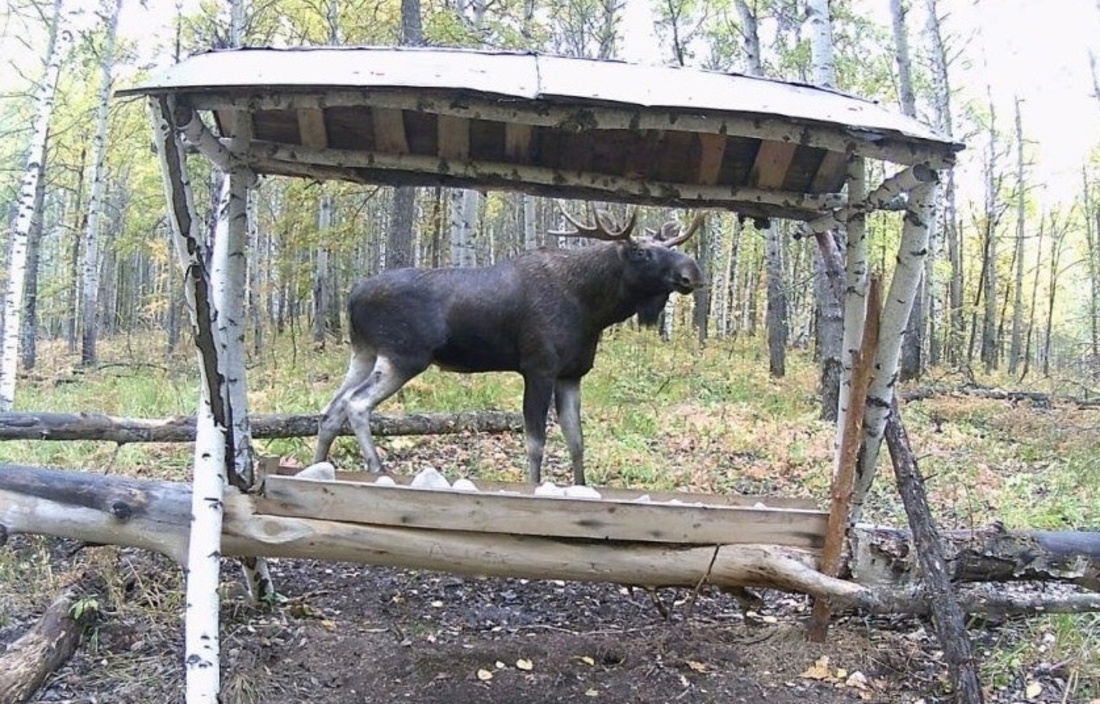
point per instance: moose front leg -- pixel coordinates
(536, 405)
(567, 401)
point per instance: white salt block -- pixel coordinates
(429, 478)
(549, 488)
(385, 480)
(464, 484)
(582, 492)
(323, 471)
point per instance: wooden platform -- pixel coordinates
(513, 509)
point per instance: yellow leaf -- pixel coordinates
(819, 670)
(500, 665)
(587, 660)
(857, 680)
(484, 675)
(331, 625)
(697, 666)
(1034, 689)
(841, 673)
(592, 693)
(524, 664)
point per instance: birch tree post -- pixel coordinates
(895, 315)
(201, 616)
(59, 41)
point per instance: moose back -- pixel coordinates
(540, 314)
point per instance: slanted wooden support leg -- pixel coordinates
(844, 478)
(947, 615)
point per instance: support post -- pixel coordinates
(895, 316)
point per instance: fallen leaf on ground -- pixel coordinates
(819, 670)
(484, 675)
(524, 664)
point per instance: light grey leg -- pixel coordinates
(384, 381)
(567, 402)
(335, 413)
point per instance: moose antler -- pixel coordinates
(601, 230)
(673, 233)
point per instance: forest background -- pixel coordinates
(1013, 283)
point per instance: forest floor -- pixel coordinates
(349, 634)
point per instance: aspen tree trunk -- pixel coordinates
(831, 317)
(463, 213)
(80, 220)
(777, 315)
(321, 271)
(912, 358)
(1018, 303)
(399, 239)
(255, 277)
(1057, 244)
(700, 312)
(946, 207)
(89, 337)
(530, 230)
(28, 329)
(25, 214)
(855, 299)
(1092, 238)
(1034, 299)
(990, 351)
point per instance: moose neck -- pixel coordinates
(596, 275)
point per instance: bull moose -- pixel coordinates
(540, 313)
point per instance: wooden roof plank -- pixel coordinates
(389, 130)
(518, 140)
(773, 159)
(311, 128)
(712, 152)
(454, 137)
(482, 512)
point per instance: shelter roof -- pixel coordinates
(567, 127)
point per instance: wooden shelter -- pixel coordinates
(570, 128)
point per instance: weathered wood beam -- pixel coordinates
(96, 426)
(772, 162)
(880, 198)
(711, 154)
(155, 515)
(311, 128)
(546, 113)
(389, 130)
(831, 171)
(400, 506)
(453, 137)
(480, 170)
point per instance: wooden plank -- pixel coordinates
(771, 164)
(311, 128)
(831, 173)
(454, 137)
(712, 152)
(485, 512)
(611, 493)
(517, 142)
(389, 130)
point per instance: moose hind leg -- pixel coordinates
(567, 402)
(536, 406)
(335, 413)
(383, 381)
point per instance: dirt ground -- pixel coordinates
(352, 634)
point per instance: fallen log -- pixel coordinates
(96, 426)
(1036, 398)
(27, 662)
(155, 515)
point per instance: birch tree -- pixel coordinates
(1016, 340)
(90, 276)
(945, 207)
(831, 316)
(399, 237)
(57, 44)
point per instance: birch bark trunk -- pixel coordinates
(1016, 341)
(25, 214)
